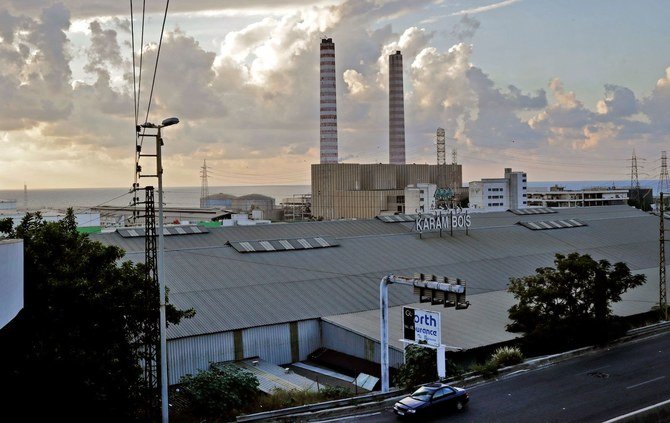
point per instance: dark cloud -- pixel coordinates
(618, 102)
(104, 50)
(465, 28)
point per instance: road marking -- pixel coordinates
(343, 418)
(645, 382)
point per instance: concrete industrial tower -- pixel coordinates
(328, 107)
(396, 110)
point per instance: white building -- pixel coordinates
(558, 196)
(499, 194)
(420, 198)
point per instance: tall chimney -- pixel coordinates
(328, 110)
(396, 110)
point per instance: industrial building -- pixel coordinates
(498, 194)
(281, 291)
(558, 196)
(363, 191)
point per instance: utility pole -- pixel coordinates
(664, 179)
(662, 298)
(160, 253)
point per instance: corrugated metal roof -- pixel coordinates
(230, 290)
(271, 377)
(481, 324)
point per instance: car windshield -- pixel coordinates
(422, 394)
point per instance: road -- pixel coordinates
(592, 388)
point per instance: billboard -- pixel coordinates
(421, 326)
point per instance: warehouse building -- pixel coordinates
(363, 191)
(281, 291)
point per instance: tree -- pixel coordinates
(220, 392)
(570, 304)
(74, 349)
(420, 366)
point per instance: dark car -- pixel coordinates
(434, 398)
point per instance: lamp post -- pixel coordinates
(161, 267)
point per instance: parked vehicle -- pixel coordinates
(434, 398)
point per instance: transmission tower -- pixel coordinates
(634, 181)
(441, 157)
(663, 179)
(204, 187)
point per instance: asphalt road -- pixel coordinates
(592, 388)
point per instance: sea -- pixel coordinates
(85, 198)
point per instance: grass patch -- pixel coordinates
(284, 398)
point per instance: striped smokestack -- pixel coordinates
(396, 110)
(328, 110)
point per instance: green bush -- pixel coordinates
(507, 356)
(334, 392)
(420, 367)
(487, 370)
(220, 392)
(284, 398)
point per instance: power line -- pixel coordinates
(158, 53)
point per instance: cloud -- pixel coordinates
(87, 8)
(618, 102)
(34, 83)
(250, 103)
(483, 9)
(466, 28)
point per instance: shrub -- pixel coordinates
(220, 392)
(487, 370)
(507, 356)
(334, 392)
(284, 398)
(420, 367)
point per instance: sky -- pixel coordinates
(564, 90)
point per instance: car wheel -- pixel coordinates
(459, 405)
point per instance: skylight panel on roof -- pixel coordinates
(553, 224)
(283, 244)
(167, 231)
(397, 218)
(533, 210)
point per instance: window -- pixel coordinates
(442, 392)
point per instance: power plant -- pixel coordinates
(396, 110)
(328, 106)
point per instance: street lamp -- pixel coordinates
(161, 272)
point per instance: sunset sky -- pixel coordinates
(564, 90)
